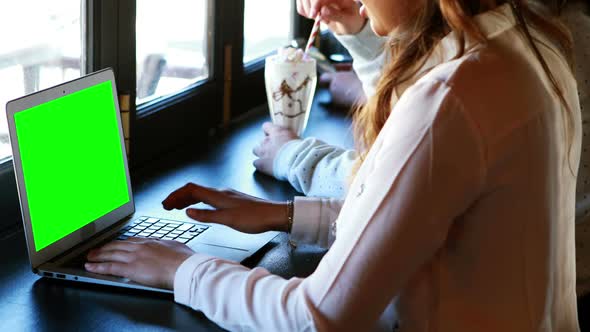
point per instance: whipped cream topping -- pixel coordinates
(290, 54)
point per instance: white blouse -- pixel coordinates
(461, 218)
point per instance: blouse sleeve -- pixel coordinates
(426, 169)
(313, 220)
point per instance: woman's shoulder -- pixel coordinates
(489, 77)
(495, 88)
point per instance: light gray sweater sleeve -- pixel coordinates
(314, 168)
(369, 56)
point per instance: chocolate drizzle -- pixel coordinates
(286, 91)
(288, 115)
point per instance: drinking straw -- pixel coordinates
(314, 32)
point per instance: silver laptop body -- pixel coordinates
(62, 259)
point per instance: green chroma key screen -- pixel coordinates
(72, 162)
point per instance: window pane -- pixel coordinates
(171, 46)
(267, 26)
(37, 50)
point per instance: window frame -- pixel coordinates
(110, 41)
(173, 117)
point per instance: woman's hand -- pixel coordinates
(341, 16)
(345, 88)
(237, 210)
(154, 262)
(146, 261)
(266, 151)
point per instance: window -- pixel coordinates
(178, 64)
(267, 26)
(172, 46)
(182, 60)
(37, 50)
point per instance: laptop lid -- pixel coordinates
(70, 163)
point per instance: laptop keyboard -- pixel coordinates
(161, 229)
(149, 228)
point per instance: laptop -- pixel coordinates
(74, 186)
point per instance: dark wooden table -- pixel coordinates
(30, 303)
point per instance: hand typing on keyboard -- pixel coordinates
(149, 251)
(237, 210)
(149, 261)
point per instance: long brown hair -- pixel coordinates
(411, 46)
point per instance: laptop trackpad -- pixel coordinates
(233, 254)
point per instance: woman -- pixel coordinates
(461, 216)
(315, 168)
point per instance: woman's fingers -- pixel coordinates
(154, 263)
(330, 13)
(258, 151)
(111, 268)
(181, 198)
(192, 194)
(224, 217)
(129, 246)
(260, 148)
(300, 9)
(232, 208)
(111, 256)
(314, 9)
(306, 8)
(318, 6)
(270, 128)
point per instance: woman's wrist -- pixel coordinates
(281, 216)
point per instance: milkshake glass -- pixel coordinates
(290, 79)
